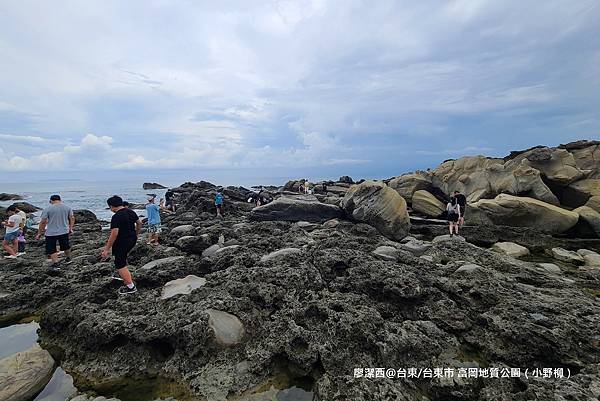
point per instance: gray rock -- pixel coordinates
(182, 286)
(194, 244)
(161, 262)
(387, 252)
(567, 256)
(183, 230)
(280, 253)
(226, 249)
(510, 249)
(305, 225)
(468, 269)
(298, 208)
(415, 246)
(448, 237)
(378, 205)
(550, 267)
(211, 250)
(24, 374)
(228, 329)
(333, 223)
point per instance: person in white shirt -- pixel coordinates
(12, 225)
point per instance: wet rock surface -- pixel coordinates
(347, 297)
(25, 374)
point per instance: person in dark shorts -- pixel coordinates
(462, 202)
(453, 210)
(125, 226)
(57, 225)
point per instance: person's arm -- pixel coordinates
(114, 232)
(138, 226)
(41, 228)
(71, 222)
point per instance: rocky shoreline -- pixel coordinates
(316, 286)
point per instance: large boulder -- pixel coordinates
(182, 286)
(24, 374)
(510, 249)
(594, 203)
(9, 197)
(346, 179)
(84, 216)
(516, 211)
(195, 244)
(586, 155)
(26, 207)
(228, 329)
(424, 202)
(380, 206)
(406, 185)
(556, 165)
(481, 177)
(589, 221)
(153, 185)
(297, 208)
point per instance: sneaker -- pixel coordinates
(68, 260)
(55, 267)
(115, 276)
(10, 257)
(126, 290)
(20, 253)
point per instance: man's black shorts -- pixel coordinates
(63, 241)
(120, 251)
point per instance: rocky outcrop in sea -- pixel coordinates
(353, 292)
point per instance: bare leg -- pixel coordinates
(450, 228)
(68, 253)
(54, 257)
(8, 248)
(125, 275)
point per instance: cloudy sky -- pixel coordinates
(372, 88)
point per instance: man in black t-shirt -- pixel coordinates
(462, 202)
(125, 227)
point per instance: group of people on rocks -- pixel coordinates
(58, 220)
(16, 226)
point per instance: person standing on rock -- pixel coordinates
(10, 243)
(462, 202)
(170, 200)
(125, 226)
(56, 225)
(153, 211)
(453, 209)
(219, 203)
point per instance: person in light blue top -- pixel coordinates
(219, 203)
(153, 211)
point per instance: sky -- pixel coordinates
(289, 88)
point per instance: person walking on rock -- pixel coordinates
(219, 203)
(10, 243)
(453, 209)
(462, 202)
(56, 225)
(125, 226)
(153, 211)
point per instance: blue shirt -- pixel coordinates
(153, 214)
(219, 199)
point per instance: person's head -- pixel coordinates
(55, 199)
(11, 210)
(151, 198)
(115, 203)
(456, 192)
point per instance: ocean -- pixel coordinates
(81, 194)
